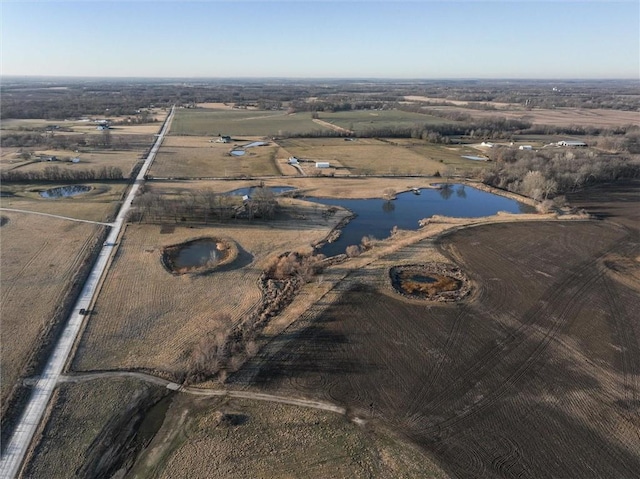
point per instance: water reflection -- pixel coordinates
(65, 191)
(376, 217)
(446, 191)
(388, 206)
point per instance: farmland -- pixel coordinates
(92, 159)
(70, 440)
(141, 300)
(368, 156)
(206, 122)
(197, 157)
(541, 363)
(98, 204)
(264, 365)
(361, 121)
(195, 436)
(562, 117)
(41, 259)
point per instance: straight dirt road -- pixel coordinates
(15, 452)
(14, 210)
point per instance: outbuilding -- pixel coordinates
(322, 164)
(293, 160)
(572, 144)
(525, 147)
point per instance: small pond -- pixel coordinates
(65, 191)
(255, 143)
(237, 152)
(249, 190)
(376, 217)
(198, 255)
(475, 158)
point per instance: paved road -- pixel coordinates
(32, 415)
(14, 210)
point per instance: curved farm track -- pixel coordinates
(537, 376)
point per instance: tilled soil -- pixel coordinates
(536, 375)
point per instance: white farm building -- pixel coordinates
(322, 164)
(574, 144)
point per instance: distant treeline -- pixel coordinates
(58, 141)
(496, 127)
(625, 138)
(72, 98)
(57, 174)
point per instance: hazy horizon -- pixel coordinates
(323, 40)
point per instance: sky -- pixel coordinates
(419, 39)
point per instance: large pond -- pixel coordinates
(376, 217)
(65, 191)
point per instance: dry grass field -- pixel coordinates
(197, 157)
(89, 160)
(191, 437)
(535, 376)
(99, 204)
(83, 425)
(361, 156)
(214, 122)
(216, 106)
(86, 126)
(307, 186)
(242, 439)
(146, 318)
(558, 117)
(446, 155)
(39, 258)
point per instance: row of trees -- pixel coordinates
(57, 141)
(57, 174)
(217, 354)
(35, 98)
(204, 206)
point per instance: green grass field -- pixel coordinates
(208, 122)
(363, 120)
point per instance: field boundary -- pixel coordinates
(14, 210)
(256, 396)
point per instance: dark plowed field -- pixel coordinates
(538, 375)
